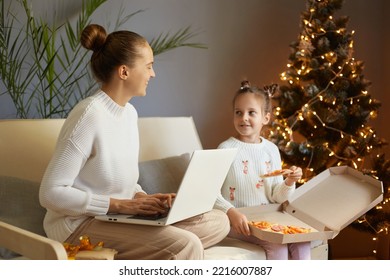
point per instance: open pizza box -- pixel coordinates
(325, 204)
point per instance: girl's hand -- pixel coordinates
(142, 204)
(238, 221)
(294, 176)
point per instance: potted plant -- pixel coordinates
(44, 68)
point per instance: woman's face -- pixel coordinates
(141, 72)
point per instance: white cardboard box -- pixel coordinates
(326, 204)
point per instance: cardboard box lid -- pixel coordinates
(335, 198)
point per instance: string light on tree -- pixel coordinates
(324, 106)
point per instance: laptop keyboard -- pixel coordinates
(149, 217)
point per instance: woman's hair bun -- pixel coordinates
(93, 37)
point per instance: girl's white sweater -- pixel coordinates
(243, 185)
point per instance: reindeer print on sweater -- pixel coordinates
(245, 164)
(231, 191)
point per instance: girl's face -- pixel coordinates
(140, 74)
(249, 117)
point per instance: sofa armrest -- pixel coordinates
(30, 245)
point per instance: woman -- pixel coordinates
(94, 169)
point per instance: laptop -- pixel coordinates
(197, 192)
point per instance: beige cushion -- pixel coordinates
(162, 175)
(25, 211)
(234, 249)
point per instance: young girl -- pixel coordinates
(243, 186)
(94, 169)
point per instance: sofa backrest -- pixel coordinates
(26, 146)
(162, 137)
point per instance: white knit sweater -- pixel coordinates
(243, 185)
(96, 158)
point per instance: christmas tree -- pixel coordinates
(324, 108)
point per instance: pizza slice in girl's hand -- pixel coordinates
(277, 172)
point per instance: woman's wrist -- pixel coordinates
(139, 194)
(114, 206)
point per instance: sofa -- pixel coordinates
(25, 149)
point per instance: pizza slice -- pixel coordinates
(277, 172)
(261, 224)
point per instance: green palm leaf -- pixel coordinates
(45, 69)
